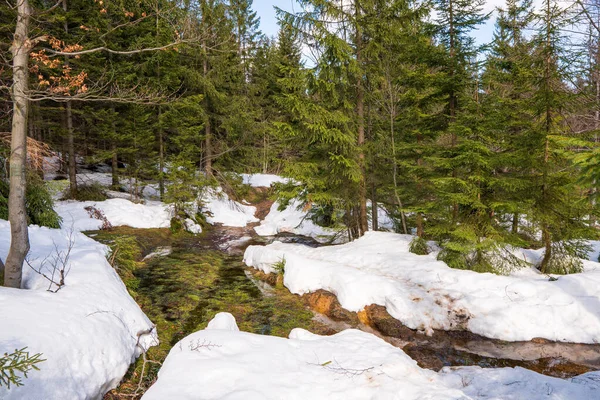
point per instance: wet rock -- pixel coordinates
(327, 304)
(379, 319)
(271, 279)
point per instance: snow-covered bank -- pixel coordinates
(87, 331)
(220, 209)
(426, 294)
(223, 363)
(262, 180)
(293, 220)
(118, 212)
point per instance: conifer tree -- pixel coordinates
(558, 207)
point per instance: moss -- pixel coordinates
(183, 291)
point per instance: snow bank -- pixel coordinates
(87, 332)
(223, 363)
(426, 294)
(262, 180)
(520, 384)
(292, 220)
(117, 211)
(221, 210)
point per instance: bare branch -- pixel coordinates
(121, 52)
(58, 3)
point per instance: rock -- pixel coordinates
(326, 303)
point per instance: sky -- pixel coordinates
(268, 17)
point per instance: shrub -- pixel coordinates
(39, 202)
(90, 192)
(419, 246)
(279, 266)
(566, 257)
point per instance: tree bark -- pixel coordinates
(70, 132)
(17, 213)
(207, 128)
(363, 223)
(374, 207)
(161, 159)
(71, 149)
(114, 166)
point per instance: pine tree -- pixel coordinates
(558, 207)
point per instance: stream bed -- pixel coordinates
(181, 281)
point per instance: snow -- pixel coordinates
(221, 210)
(192, 226)
(262, 180)
(223, 363)
(87, 332)
(292, 220)
(426, 294)
(117, 211)
(384, 220)
(520, 384)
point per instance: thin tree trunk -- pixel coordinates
(161, 144)
(419, 219)
(207, 128)
(114, 150)
(363, 223)
(208, 149)
(546, 235)
(161, 159)
(114, 165)
(515, 223)
(547, 239)
(17, 213)
(374, 206)
(71, 148)
(70, 132)
(395, 170)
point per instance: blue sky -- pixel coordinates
(266, 12)
(268, 18)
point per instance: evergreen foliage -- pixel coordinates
(479, 150)
(17, 363)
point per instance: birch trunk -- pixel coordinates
(17, 214)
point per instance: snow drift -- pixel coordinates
(88, 332)
(118, 212)
(426, 294)
(223, 363)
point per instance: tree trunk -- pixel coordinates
(363, 223)
(161, 159)
(208, 149)
(547, 239)
(207, 128)
(395, 169)
(161, 144)
(114, 164)
(17, 213)
(374, 206)
(71, 149)
(515, 223)
(114, 150)
(70, 133)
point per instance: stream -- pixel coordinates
(181, 281)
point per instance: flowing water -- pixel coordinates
(181, 281)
